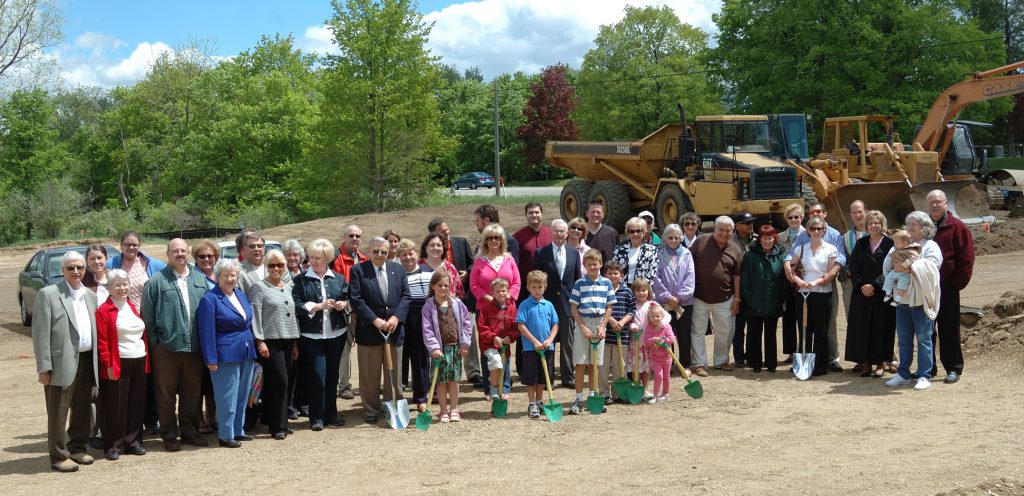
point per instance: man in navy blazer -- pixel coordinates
(561, 263)
(379, 292)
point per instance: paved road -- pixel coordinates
(513, 191)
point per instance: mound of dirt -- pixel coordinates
(1000, 327)
(1006, 235)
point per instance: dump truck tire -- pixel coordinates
(615, 199)
(573, 201)
(670, 205)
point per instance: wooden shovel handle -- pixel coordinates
(387, 356)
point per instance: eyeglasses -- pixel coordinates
(206, 256)
(379, 252)
(355, 236)
(75, 268)
(793, 217)
(689, 223)
(275, 265)
(576, 228)
(254, 246)
(816, 229)
(493, 238)
(130, 245)
(635, 231)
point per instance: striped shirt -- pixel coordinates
(625, 304)
(419, 284)
(592, 296)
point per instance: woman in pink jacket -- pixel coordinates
(447, 332)
(493, 262)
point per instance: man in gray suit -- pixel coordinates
(253, 270)
(64, 341)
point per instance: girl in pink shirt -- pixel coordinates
(644, 301)
(658, 332)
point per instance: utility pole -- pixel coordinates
(497, 145)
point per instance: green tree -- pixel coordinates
(380, 114)
(29, 151)
(639, 69)
(850, 58)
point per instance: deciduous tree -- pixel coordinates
(548, 113)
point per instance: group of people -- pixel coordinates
(182, 349)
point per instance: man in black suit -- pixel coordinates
(379, 293)
(561, 263)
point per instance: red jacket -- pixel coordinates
(106, 340)
(343, 264)
(957, 244)
(492, 322)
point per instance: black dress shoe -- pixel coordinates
(951, 377)
(835, 367)
(316, 425)
(112, 455)
(244, 437)
(96, 443)
(371, 419)
(569, 385)
(280, 435)
(338, 422)
(788, 360)
(172, 445)
(195, 440)
(229, 443)
(289, 431)
(135, 450)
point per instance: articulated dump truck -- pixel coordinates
(721, 165)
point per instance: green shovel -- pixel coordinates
(424, 418)
(692, 388)
(621, 385)
(635, 390)
(595, 402)
(552, 410)
(499, 405)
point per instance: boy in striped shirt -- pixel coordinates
(592, 299)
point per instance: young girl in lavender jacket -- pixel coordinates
(658, 332)
(447, 330)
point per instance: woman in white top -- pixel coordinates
(791, 320)
(123, 365)
(691, 229)
(414, 354)
(818, 261)
(95, 277)
(921, 229)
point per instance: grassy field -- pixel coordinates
(1006, 163)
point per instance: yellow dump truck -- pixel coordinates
(721, 165)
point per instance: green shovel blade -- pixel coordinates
(499, 407)
(635, 393)
(423, 420)
(693, 389)
(621, 387)
(553, 411)
(595, 404)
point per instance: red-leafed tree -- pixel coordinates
(548, 113)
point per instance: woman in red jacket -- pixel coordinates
(123, 365)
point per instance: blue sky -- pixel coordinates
(113, 42)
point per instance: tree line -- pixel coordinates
(274, 135)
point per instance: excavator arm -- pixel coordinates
(982, 86)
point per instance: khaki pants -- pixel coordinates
(178, 377)
(371, 367)
(610, 366)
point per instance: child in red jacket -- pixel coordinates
(496, 323)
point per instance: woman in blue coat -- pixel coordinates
(224, 318)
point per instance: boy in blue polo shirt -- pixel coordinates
(592, 299)
(538, 327)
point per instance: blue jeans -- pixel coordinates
(912, 322)
(231, 383)
(322, 357)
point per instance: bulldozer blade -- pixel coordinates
(890, 198)
(967, 199)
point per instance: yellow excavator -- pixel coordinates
(863, 159)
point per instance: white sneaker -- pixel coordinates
(897, 381)
(922, 384)
(663, 398)
(652, 400)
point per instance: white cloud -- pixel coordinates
(502, 36)
(317, 39)
(97, 70)
(97, 43)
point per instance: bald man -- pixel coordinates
(169, 303)
(957, 244)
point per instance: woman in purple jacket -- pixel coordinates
(673, 286)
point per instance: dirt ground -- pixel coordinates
(750, 433)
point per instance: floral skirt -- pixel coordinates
(451, 364)
(638, 361)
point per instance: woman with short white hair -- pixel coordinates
(637, 258)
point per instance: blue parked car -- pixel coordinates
(42, 270)
(474, 180)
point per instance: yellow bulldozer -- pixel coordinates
(720, 165)
(863, 159)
